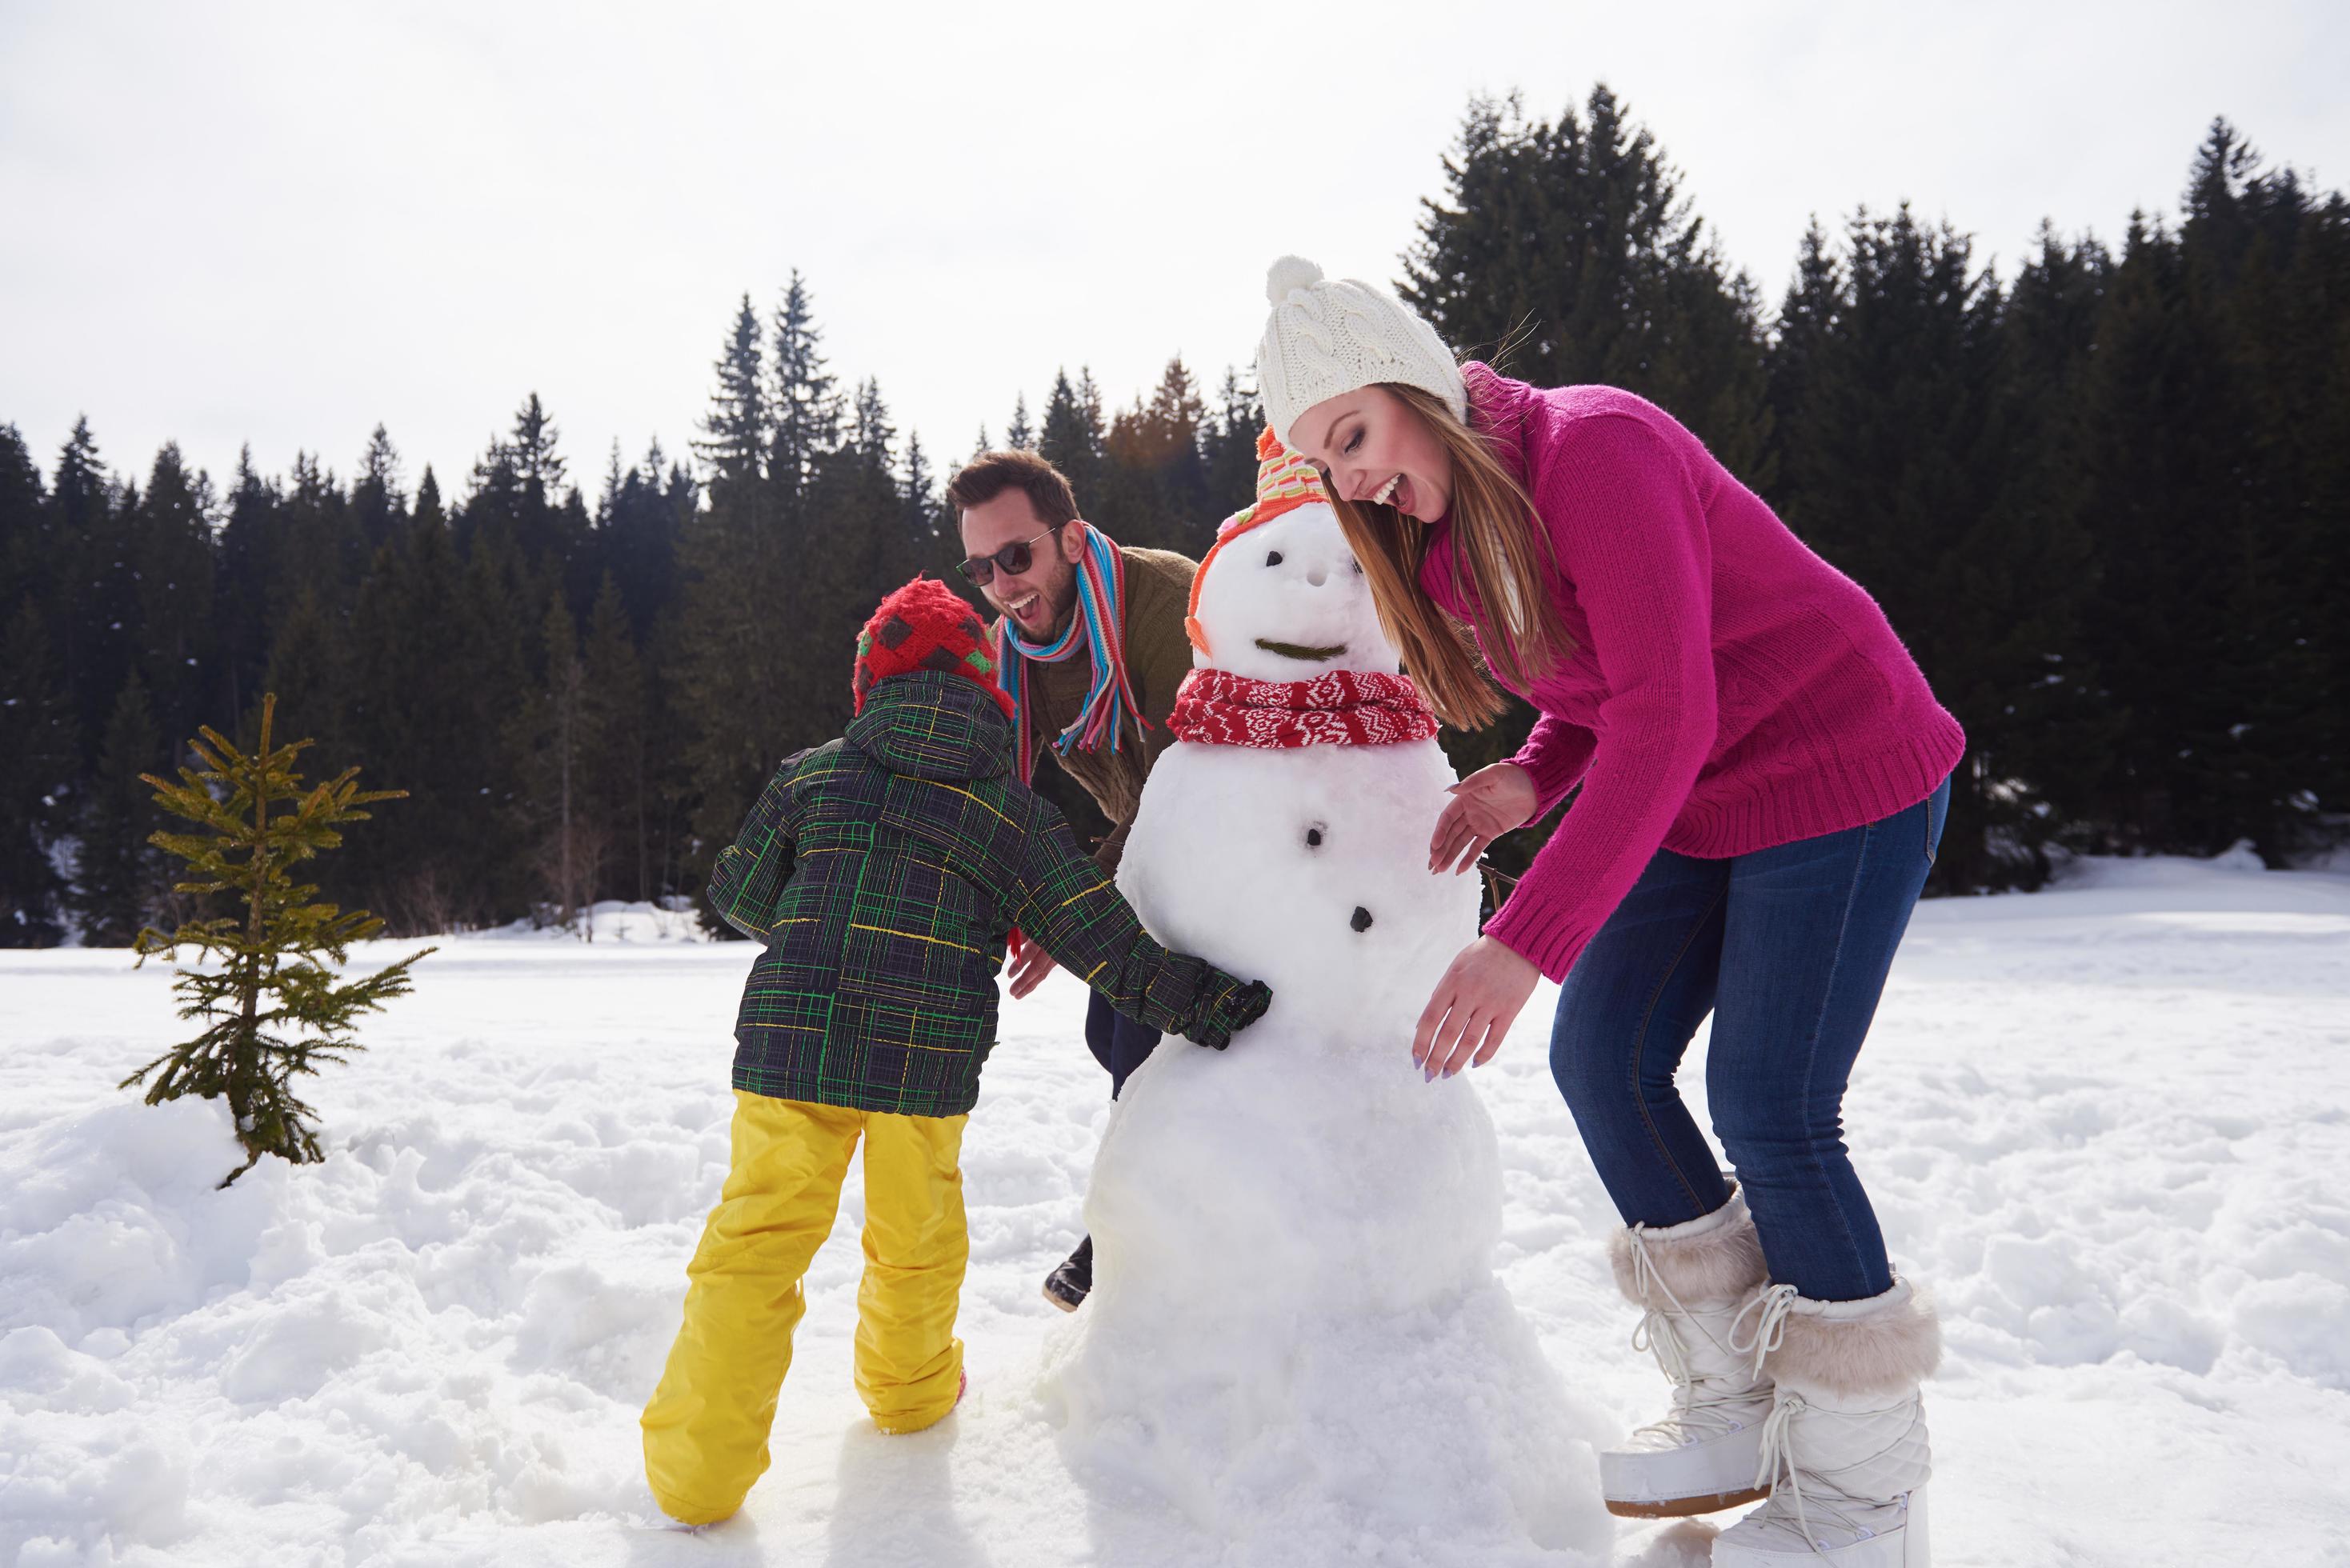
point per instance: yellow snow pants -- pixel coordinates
(706, 1428)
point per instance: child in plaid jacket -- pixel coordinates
(883, 872)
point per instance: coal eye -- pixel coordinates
(1273, 558)
(1313, 837)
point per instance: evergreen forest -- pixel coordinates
(2101, 490)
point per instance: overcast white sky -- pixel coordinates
(281, 223)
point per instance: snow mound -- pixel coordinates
(611, 920)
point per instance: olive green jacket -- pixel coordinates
(1158, 657)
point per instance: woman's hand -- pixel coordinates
(1484, 806)
(1473, 1007)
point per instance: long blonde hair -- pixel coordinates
(1499, 554)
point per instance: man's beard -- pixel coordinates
(1060, 599)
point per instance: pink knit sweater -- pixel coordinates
(1730, 690)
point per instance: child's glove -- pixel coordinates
(1231, 1006)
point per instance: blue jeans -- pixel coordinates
(1118, 1042)
(1788, 948)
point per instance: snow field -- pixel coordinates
(2106, 1123)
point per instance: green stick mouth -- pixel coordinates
(1293, 651)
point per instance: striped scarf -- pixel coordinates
(1099, 627)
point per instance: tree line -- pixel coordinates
(2104, 501)
(580, 698)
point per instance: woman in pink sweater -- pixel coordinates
(1763, 776)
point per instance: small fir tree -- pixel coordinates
(274, 1009)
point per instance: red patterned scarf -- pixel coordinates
(1336, 708)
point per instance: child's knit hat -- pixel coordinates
(1325, 339)
(925, 625)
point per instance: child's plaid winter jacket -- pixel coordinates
(883, 872)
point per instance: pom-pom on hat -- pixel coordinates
(1326, 338)
(1285, 482)
(925, 625)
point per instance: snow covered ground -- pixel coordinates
(2109, 1124)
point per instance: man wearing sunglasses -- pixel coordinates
(1093, 640)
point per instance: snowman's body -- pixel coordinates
(1295, 1302)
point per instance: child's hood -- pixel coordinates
(934, 726)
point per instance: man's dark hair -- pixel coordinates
(991, 474)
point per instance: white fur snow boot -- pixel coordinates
(1691, 1278)
(1844, 1450)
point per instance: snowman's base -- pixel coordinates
(1436, 1435)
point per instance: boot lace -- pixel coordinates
(1659, 1333)
(1781, 1469)
(1770, 1306)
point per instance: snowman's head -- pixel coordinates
(1286, 600)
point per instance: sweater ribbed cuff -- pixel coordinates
(1549, 937)
(1552, 775)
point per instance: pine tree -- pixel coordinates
(616, 750)
(2267, 269)
(1228, 444)
(171, 540)
(1020, 435)
(96, 627)
(310, 666)
(730, 665)
(119, 875)
(856, 543)
(27, 549)
(1892, 468)
(534, 451)
(318, 545)
(807, 408)
(498, 627)
(450, 857)
(516, 507)
(40, 759)
(871, 435)
(1155, 483)
(241, 578)
(739, 423)
(553, 734)
(376, 498)
(1071, 438)
(2158, 462)
(1566, 253)
(925, 517)
(641, 530)
(2038, 731)
(273, 1009)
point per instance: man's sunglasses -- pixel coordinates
(1013, 558)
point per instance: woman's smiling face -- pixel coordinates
(1374, 450)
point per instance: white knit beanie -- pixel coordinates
(1325, 339)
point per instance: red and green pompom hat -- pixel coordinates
(925, 625)
(1285, 482)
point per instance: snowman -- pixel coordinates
(1295, 1338)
